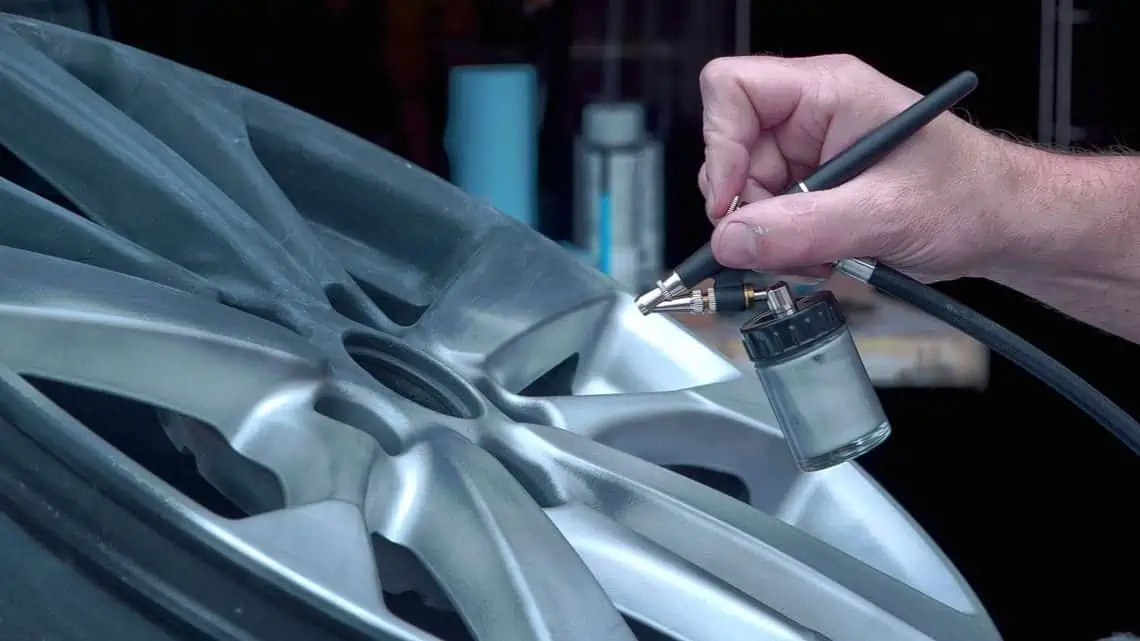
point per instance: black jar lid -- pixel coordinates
(768, 336)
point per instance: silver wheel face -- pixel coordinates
(403, 390)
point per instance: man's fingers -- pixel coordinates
(767, 166)
(798, 231)
(703, 183)
(726, 165)
(767, 175)
(753, 191)
(742, 97)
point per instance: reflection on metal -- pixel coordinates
(300, 301)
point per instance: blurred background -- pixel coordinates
(582, 118)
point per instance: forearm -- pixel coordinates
(1073, 235)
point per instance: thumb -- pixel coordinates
(799, 230)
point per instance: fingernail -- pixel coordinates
(710, 202)
(738, 244)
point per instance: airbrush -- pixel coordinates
(801, 347)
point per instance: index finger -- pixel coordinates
(742, 97)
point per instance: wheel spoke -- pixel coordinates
(516, 329)
(684, 599)
(478, 531)
(325, 548)
(405, 240)
(290, 545)
(684, 428)
(299, 541)
(726, 428)
(36, 224)
(126, 179)
(490, 322)
(97, 329)
(790, 571)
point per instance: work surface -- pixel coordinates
(900, 346)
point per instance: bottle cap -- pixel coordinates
(769, 336)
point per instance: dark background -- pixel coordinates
(1033, 502)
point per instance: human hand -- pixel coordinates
(935, 207)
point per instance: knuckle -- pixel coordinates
(717, 71)
(841, 73)
(827, 98)
(842, 62)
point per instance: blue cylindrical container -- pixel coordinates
(492, 136)
(618, 209)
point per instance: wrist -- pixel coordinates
(1064, 215)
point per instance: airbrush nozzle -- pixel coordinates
(721, 299)
(687, 304)
(664, 291)
(696, 268)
